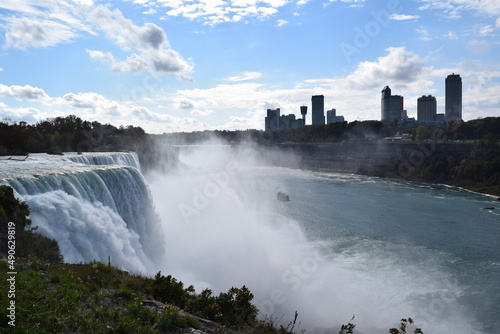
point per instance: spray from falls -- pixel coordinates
(223, 228)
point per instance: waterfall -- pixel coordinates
(96, 213)
(121, 159)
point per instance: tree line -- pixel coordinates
(485, 130)
(64, 134)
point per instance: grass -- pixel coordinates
(94, 298)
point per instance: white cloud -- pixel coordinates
(352, 3)
(453, 8)
(43, 23)
(23, 33)
(47, 23)
(403, 17)
(399, 67)
(201, 112)
(281, 23)
(128, 35)
(356, 96)
(479, 47)
(218, 11)
(484, 30)
(26, 114)
(94, 106)
(154, 54)
(445, 7)
(23, 92)
(451, 35)
(245, 76)
(184, 104)
(162, 62)
(424, 35)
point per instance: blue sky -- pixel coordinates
(174, 65)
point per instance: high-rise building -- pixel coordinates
(272, 121)
(392, 105)
(453, 100)
(426, 108)
(331, 117)
(318, 109)
(290, 122)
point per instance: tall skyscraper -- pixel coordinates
(453, 101)
(392, 105)
(318, 109)
(426, 108)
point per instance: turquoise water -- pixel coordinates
(440, 235)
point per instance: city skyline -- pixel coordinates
(172, 66)
(392, 108)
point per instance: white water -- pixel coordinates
(94, 212)
(325, 254)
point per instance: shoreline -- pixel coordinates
(336, 171)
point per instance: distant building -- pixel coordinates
(392, 106)
(272, 119)
(290, 122)
(453, 102)
(318, 109)
(303, 112)
(331, 117)
(426, 108)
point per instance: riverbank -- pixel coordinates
(471, 166)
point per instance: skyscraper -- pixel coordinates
(303, 112)
(272, 121)
(318, 109)
(392, 105)
(453, 101)
(426, 108)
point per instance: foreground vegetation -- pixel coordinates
(97, 298)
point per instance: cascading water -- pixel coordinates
(95, 213)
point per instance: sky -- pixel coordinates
(192, 65)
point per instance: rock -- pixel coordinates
(153, 303)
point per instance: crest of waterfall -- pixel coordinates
(121, 159)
